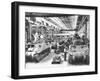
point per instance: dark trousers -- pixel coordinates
(65, 56)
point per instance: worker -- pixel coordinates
(65, 53)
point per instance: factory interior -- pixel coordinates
(57, 38)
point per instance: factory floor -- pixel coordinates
(47, 62)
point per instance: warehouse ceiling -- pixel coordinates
(62, 21)
(66, 22)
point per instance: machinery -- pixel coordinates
(39, 56)
(78, 54)
(57, 60)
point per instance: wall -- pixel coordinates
(5, 41)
